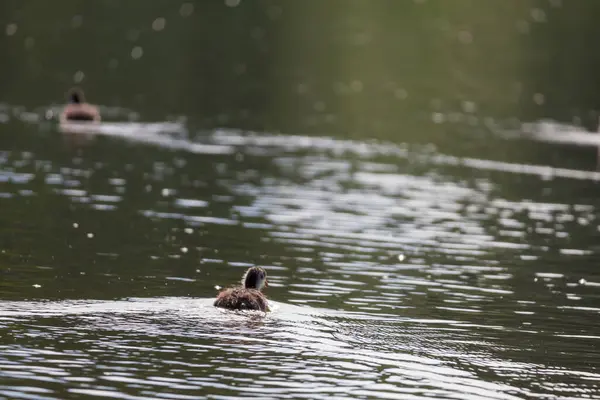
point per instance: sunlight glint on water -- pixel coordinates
(389, 279)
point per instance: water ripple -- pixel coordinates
(398, 272)
(99, 339)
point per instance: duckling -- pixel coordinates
(78, 109)
(248, 296)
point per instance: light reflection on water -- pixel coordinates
(397, 272)
(179, 346)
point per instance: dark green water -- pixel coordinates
(354, 149)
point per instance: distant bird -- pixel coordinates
(77, 109)
(248, 296)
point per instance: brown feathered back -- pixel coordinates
(240, 298)
(78, 109)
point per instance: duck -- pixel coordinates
(248, 295)
(77, 109)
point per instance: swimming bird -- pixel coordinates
(77, 109)
(248, 296)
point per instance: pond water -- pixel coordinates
(422, 237)
(395, 272)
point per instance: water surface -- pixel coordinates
(425, 235)
(395, 271)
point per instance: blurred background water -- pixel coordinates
(372, 156)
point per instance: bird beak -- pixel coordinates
(266, 283)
